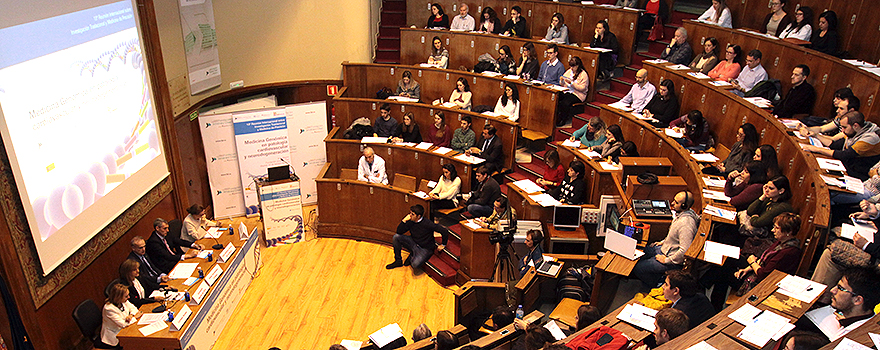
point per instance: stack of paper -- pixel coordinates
(713, 182)
(705, 157)
(557, 87)
(716, 195)
(404, 99)
(831, 164)
(673, 133)
(424, 145)
(512, 77)
(790, 123)
(854, 184)
(149, 318)
(600, 49)
(472, 224)
(421, 194)
(800, 288)
(371, 139)
(639, 316)
(470, 159)
(699, 75)
(608, 166)
(590, 154)
(678, 67)
(621, 106)
(866, 231)
(545, 200)
(528, 186)
(406, 144)
(386, 335)
(761, 325)
(720, 83)
(714, 252)
(759, 101)
(721, 213)
(569, 143)
(657, 61)
(833, 181)
(442, 150)
(490, 73)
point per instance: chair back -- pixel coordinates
(404, 181)
(423, 186)
(348, 174)
(87, 316)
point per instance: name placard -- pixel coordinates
(180, 318)
(199, 294)
(213, 275)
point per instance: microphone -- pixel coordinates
(292, 177)
(216, 246)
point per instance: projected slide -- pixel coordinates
(78, 111)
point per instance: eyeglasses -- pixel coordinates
(840, 288)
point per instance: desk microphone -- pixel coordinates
(216, 246)
(292, 177)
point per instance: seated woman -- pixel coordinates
(605, 39)
(591, 134)
(408, 87)
(741, 152)
(746, 186)
(461, 95)
(800, 28)
(777, 19)
(448, 186)
(718, 14)
(408, 131)
(508, 104)
(826, 40)
(528, 65)
(439, 55)
(577, 81)
(489, 22)
(629, 149)
(695, 129)
(117, 314)
(766, 154)
(773, 201)
(783, 255)
(552, 177)
(613, 141)
(439, 133)
(730, 67)
(500, 211)
(663, 107)
(536, 254)
(438, 19)
(139, 289)
(195, 224)
(573, 188)
(505, 62)
(653, 8)
(558, 31)
(707, 60)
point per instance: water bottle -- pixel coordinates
(170, 316)
(231, 231)
(519, 312)
(210, 256)
(186, 296)
(201, 272)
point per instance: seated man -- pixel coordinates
(859, 150)
(420, 242)
(669, 323)
(801, 96)
(371, 167)
(683, 290)
(752, 74)
(641, 92)
(486, 191)
(463, 21)
(147, 269)
(668, 254)
(852, 303)
(463, 138)
(384, 126)
(678, 51)
(489, 148)
(551, 69)
(830, 131)
(829, 269)
(166, 250)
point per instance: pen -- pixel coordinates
(759, 314)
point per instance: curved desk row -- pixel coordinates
(466, 47)
(579, 18)
(827, 73)
(348, 109)
(537, 103)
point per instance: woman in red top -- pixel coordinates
(746, 186)
(554, 173)
(438, 19)
(439, 133)
(784, 255)
(730, 67)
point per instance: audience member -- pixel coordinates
(870, 187)
(528, 65)
(489, 148)
(586, 315)
(683, 290)
(516, 25)
(464, 21)
(613, 141)
(554, 173)
(766, 154)
(439, 55)
(408, 131)
(438, 19)
(668, 254)
(783, 255)
(445, 341)
(557, 31)
(730, 67)
(118, 313)
(486, 190)
(741, 152)
(777, 19)
(422, 331)
(627, 3)
(148, 269)
(537, 337)
(551, 69)
(502, 316)
(463, 138)
(165, 249)
(830, 132)
(852, 304)
(802, 340)
(859, 150)
(573, 188)
(139, 289)
(603, 38)
(577, 81)
(384, 125)
(842, 254)
(444, 195)
(332, 347)
(663, 107)
(826, 40)
(536, 253)
(707, 60)
(489, 22)
(195, 224)
(591, 134)
(801, 96)
(800, 28)
(508, 104)
(751, 75)
(629, 149)
(462, 94)
(653, 8)
(640, 93)
(439, 133)
(718, 14)
(408, 87)
(501, 210)
(420, 243)
(758, 217)
(669, 323)
(505, 63)
(744, 187)
(695, 131)
(371, 167)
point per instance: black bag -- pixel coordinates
(383, 93)
(769, 89)
(576, 283)
(358, 132)
(484, 66)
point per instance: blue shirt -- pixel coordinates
(550, 72)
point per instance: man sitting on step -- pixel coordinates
(420, 242)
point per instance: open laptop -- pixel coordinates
(622, 244)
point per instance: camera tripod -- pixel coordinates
(503, 264)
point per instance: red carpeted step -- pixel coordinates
(388, 44)
(580, 120)
(629, 74)
(389, 32)
(657, 47)
(620, 86)
(613, 95)
(440, 271)
(677, 17)
(535, 169)
(669, 32)
(393, 19)
(393, 5)
(603, 99)
(387, 56)
(451, 253)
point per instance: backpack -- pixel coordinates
(484, 66)
(576, 283)
(600, 338)
(769, 89)
(383, 93)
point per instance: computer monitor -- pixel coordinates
(609, 214)
(566, 217)
(279, 173)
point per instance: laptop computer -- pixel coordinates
(622, 244)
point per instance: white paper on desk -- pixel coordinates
(833, 181)
(875, 338)
(608, 166)
(672, 133)
(386, 335)
(826, 321)
(621, 106)
(351, 344)
(190, 281)
(705, 157)
(700, 75)
(472, 225)
(849, 344)
(716, 195)
(569, 143)
(763, 328)
(600, 49)
(442, 150)
(849, 231)
(714, 182)
(448, 104)
(432, 184)
(790, 123)
(371, 139)
(679, 67)
(514, 77)
(490, 73)
(203, 254)
(703, 345)
(873, 70)
(657, 61)
(213, 232)
(714, 258)
(421, 194)
(590, 154)
(721, 213)
(721, 249)
(759, 101)
(782, 332)
(424, 145)
(470, 159)
(798, 134)
(831, 164)
(149, 318)
(800, 288)
(555, 330)
(153, 328)
(854, 184)
(528, 186)
(545, 200)
(183, 270)
(720, 83)
(556, 87)
(639, 316)
(406, 144)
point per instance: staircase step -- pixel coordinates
(614, 95)
(601, 98)
(669, 31)
(620, 86)
(392, 19)
(389, 32)
(452, 252)
(536, 170)
(629, 80)
(387, 56)
(440, 271)
(390, 5)
(629, 74)
(677, 17)
(388, 44)
(657, 47)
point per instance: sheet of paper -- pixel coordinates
(555, 330)
(569, 143)
(826, 321)
(849, 344)
(875, 338)
(721, 213)
(386, 335)
(759, 101)
(763, 328)
(716, 195)
(448, 104)
(620, 105)
(790, 123)
(351, 344)
(405, 99)
(722, 249)
(371, 139)
(513, 77)
(713, 182)
(608, 166)
(472, 225)
(213, 232)
(705, 157)
(657, 61)
(745, 314)
(545, 200)
(557, 87)
(528, 186)
(720, 83)
(203, 254)
(153, 328)
(639, 316)
(714, 258)
(424, 145)
(703, 345)
(782, 332)
(190, 281)
(421, 194)
(406, 144)
(590, 154)
(699, 75)
(679, 67)
(673, 133)
(490, 73)
(833, 181)
(432, 184)
(183, 270)
(470, 159)
(854, 184)
(442, 150)
(800, 288)
(848, 231)
(149, 318)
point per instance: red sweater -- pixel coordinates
(743, 194)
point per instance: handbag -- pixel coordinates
(848, 255)
(656, 30)
(746, 228)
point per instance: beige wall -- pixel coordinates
(276, 40)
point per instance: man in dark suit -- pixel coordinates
(489, 148)
(148, 269)
(682, 290)
(165, 249)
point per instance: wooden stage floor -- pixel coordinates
(312, 294)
